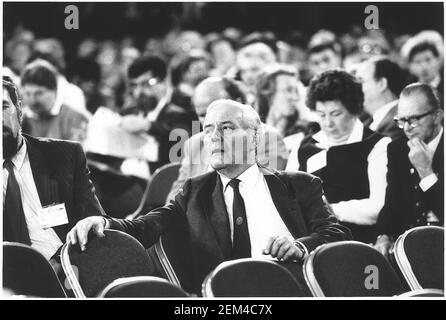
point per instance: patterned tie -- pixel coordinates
(241, 245)
(14, 222)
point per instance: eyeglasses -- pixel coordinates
(413, 121)
(371, 48)
(145, 83)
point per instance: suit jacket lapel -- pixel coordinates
(47, 187)
(46, 183)
(215, 210)
(286, 206)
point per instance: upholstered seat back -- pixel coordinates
(350, 269)
(105, 259)
(251, 278)
(27, 272)
(142, 287)
(419, 253)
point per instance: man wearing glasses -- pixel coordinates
(415, 191)
(149, 107)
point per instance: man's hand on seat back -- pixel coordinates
(384, 244)
(79, 233)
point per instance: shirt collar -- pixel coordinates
(436, 141)
(19, 158)
(356, 136)
(248, 178)
(379, 114)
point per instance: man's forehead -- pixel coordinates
(413, 102)
(224, 113)
(34, 87)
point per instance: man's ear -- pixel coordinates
(20, 111)
(259, 141)
(440, 115)
(383, 84)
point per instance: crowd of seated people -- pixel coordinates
(282, 146)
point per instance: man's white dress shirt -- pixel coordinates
(46, 241)
(264, 221)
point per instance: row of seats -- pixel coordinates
(117, 266)
(124, 196)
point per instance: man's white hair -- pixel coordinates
(250, 117)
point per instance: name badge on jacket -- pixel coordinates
(53, 215)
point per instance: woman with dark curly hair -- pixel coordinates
(350, 159)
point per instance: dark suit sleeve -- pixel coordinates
(172, 128)
(85, 201)
(184, 171)
(389, 221)
(322, 224)
(148, 228)
(174, 118)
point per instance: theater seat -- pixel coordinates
(251, 278)
(27, 272)
(422, 293)
(171, 258)
(419, 254)
(142, 287)
(158, 189)
(119, 194)
(117, 255)
(350, 269)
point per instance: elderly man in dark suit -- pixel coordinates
(415, 191)
(46, 186)
(239, 210)
(271, 152)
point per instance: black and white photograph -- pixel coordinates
(204, 152)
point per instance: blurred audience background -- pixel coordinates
(271, 51)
